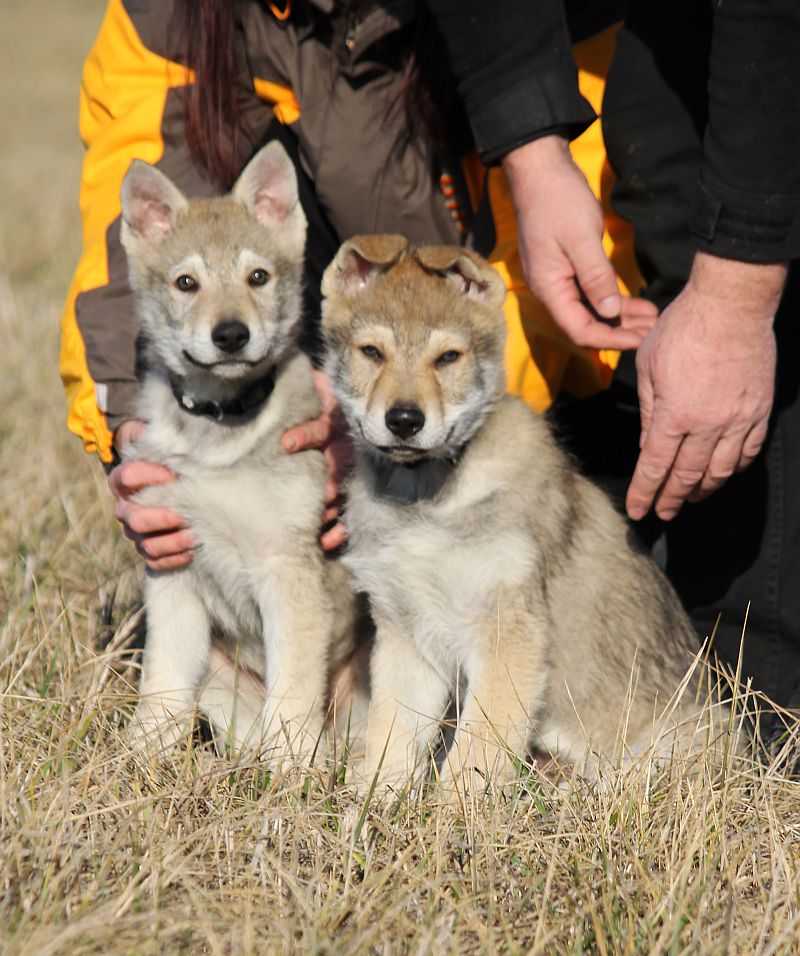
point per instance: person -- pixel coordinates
(701, 119)
(335, 76)
(369, 109)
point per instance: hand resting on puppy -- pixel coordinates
(161, 536)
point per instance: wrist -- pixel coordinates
(552, 148)
(747, 289)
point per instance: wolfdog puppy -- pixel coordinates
(218, 287)
(502, 582)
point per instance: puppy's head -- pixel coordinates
(218, 281)
(415, 343)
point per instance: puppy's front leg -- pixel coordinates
(298, 632)
(407, 703)
(175, 662)
(506, 675)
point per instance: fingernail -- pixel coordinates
(610, 307)
(289, 442)
(635, 514)
(667, 515)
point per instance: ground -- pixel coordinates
(104, 853)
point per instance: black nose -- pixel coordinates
(404, 420)
(230, 335)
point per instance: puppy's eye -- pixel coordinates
(187, 284)
(372, 353)
(448, 357)
(258, 277)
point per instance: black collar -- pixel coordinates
(409, 482)
(240, 408)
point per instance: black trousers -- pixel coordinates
(741, 546)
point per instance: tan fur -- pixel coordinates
(497, 575)
(253, 628)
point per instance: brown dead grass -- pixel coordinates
(101, 853)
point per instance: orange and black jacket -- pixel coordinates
(337, 91)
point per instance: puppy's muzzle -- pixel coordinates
(230, 335)
(405, 420)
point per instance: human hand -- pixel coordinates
(560, 233)
(160, 536)
(706, 381)
(329, 433)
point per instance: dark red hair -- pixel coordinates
(204, 32)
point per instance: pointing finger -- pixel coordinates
(655, 460)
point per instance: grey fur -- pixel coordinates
(514, 577)
(258, 591)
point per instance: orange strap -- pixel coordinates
(281, 14)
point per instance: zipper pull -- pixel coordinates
(350, 33)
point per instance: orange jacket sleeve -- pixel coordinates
(131, 106)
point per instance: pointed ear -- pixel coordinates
(472, 276)
(359, 260)
(268, 188)
(150, 203)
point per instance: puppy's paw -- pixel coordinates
(389, 781)
(154, 731)
(288, 742)
(477, 772)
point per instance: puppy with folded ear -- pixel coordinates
(501, 581)
(218, 287)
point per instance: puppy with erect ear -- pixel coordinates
(267, 188)
(215, 320)
(218, 285)
(150, 204)
(501, 581)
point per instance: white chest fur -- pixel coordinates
(434, 572)
(250, 506)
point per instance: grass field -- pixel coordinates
(101, 853)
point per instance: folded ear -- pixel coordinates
(150, 203)
(359, 260)
(472, 276)
(267, 187)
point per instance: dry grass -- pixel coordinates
(99, 853)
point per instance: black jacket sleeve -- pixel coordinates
(513, 63)
(748, 204)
